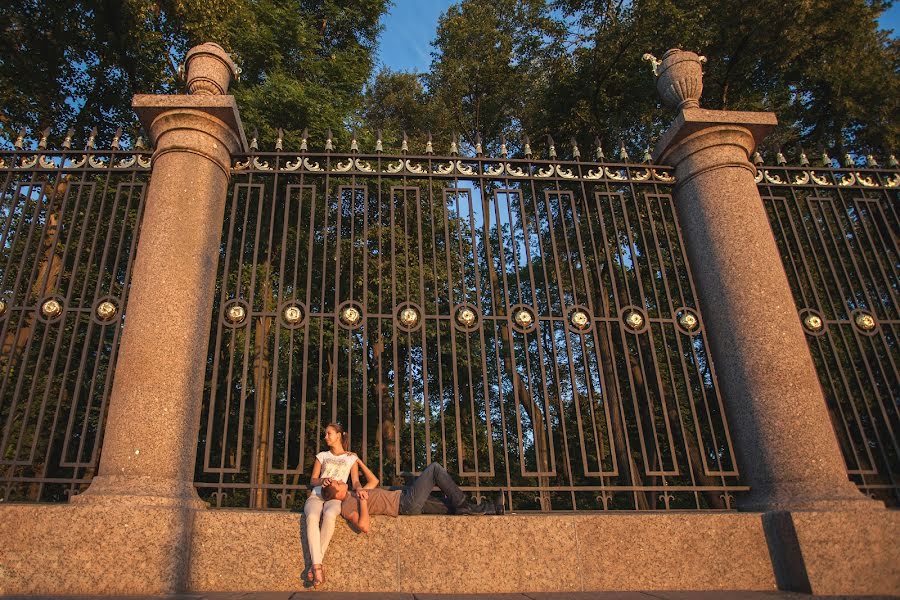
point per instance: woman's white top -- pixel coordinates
(334, 466)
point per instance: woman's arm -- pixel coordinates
(354, 476)
(315, 479)
(371, 480)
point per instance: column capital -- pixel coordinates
(209, 126)
(734, 135)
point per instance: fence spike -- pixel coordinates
(67, 141)
(552, 152)
(139, 143)
(429, 146)
(780, 160)
(503, 151)
(826, 160)
(623, 152)
(92, 140)
(871, 162)
(279, 140)
(848, 160)
(648, 158)
(354, 143)
(454, 148)
(329, 142)
(254, 139)
(892, 162)
(304, 145)
(404, 145)
(20, 139)
(527, 147)
(44, 135)
(757, 158)
(576, 153)
(804, 160)
(478, 151)
(116, 137)
(598, 153)
(379, 145)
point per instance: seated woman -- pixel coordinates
(412, 500)
(337, 464)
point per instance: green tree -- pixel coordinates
(78, 64)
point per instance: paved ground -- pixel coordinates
(529, 596)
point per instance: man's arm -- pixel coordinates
(360, 518)
(371, 480)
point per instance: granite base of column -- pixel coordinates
(89, 549)
(119, 490)
(835, 552)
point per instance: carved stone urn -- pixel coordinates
(679, 78)
(210, 70)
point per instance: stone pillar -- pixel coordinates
(150, 442)
(786, 449)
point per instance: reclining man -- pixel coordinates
(356, 507)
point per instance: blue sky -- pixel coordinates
(405, 43)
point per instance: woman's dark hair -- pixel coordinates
(345, 437)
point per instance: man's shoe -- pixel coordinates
(471, 509)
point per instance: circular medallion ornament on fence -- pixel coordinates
(409, 317)
(864, 321)
(579, 319)
(687, 320)
(51, 310)
(634, 319)
(4, 307)
(812, 321)
(235, 313)
(466, 317)
(350, 315)
(523, 318)
(105, 310)
(293, 314)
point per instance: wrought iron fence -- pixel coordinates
(530, 324)
(68, 231)
(837, 230)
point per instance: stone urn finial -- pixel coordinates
(679, 77)
(209, 69)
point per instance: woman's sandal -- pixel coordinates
(319, 576)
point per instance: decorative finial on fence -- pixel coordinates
(552, 152)
(454, 148)
(354, 144)
(379, 145)
(892, 162)
(210, 70)
(780, 160)
(757, 158)
(576, 153)
(404, 145)
(871, 162)
(848, 160)
(20, 140)
(254, 140)
(67, 141)
(329, 143)
(623, 152)
(42, 144)
(92, 140)
(139, 143)
(679, 77)
(115, 140)
(429, 145)
(804, 160)
(503, 150)
(598, 153)
(527, 147)
(826, 160)
(648, 158)
(279, 140)
(304, 137)
(478, 150)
